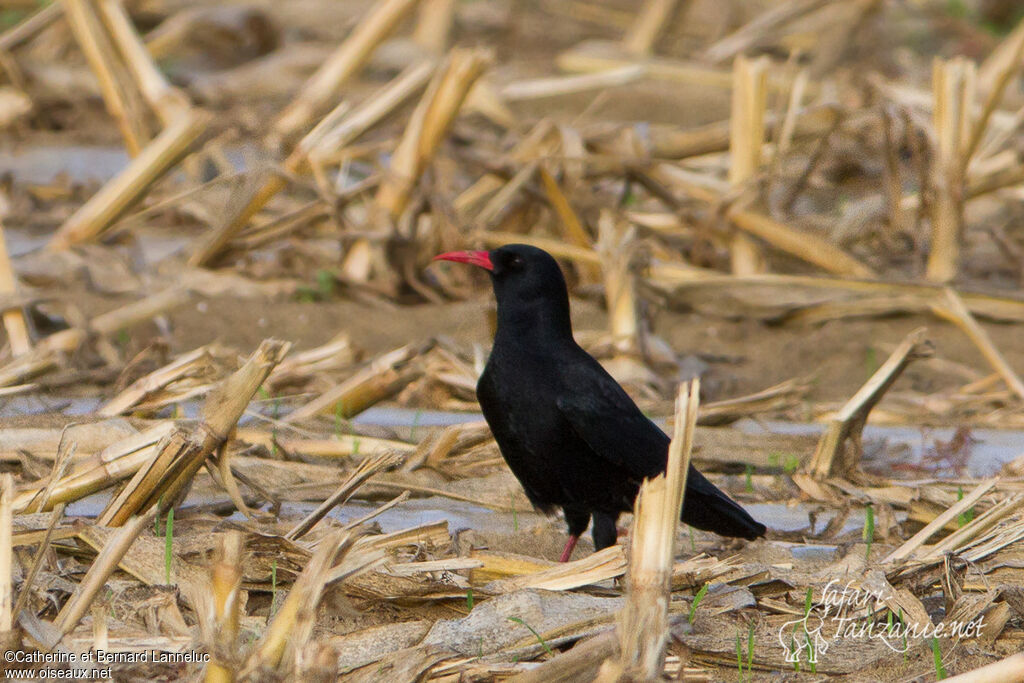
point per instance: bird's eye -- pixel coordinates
(516, 262)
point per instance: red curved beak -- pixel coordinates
(474, 258)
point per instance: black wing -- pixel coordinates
(606, 418)
(602, 414)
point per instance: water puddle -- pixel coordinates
(392, 416)
(887, 446)
(990, 450)
(883, 445)
(418, 511)
(461, 516)
(413, 512)
(41, 164)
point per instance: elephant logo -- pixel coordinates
(804, 635)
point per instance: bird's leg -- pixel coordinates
(577, 520)
(569, 545)
(621, 532)
(604, 530)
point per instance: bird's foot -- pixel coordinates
(569, 545)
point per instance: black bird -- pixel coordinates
(569, 432)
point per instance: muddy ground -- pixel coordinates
(735, 357)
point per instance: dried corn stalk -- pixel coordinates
(643, 622)
(324, 85)
(749, 93)
(953, 85)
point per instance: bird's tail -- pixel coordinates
(707, 508)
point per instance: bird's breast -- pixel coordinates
(528, 427)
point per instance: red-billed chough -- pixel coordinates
(569, 432)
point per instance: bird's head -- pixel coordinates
(518, 271)
(527, 282)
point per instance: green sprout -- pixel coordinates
(940, 671)
(168, 541)
(324, 283)
(273, 588)
(750, 646)
(696, 601)
(967, 515)
(534, 632)
(808, 604)
(415, 424)
(739, 658)
(339, 418)
(869, 529)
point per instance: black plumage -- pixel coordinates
(569, 432)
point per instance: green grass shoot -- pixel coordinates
(749, 478)
(324, 283)
(535, 634)
(940, 671)
(469, 600)
(168, 542)
(808, 605)
(273, 590)
(696, 601)
(339, 418)
(967, 515)
(739, 658)
(789, 462)
(750, 646)
(415, 424)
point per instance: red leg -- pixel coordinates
(569, 545)
(621, 531)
